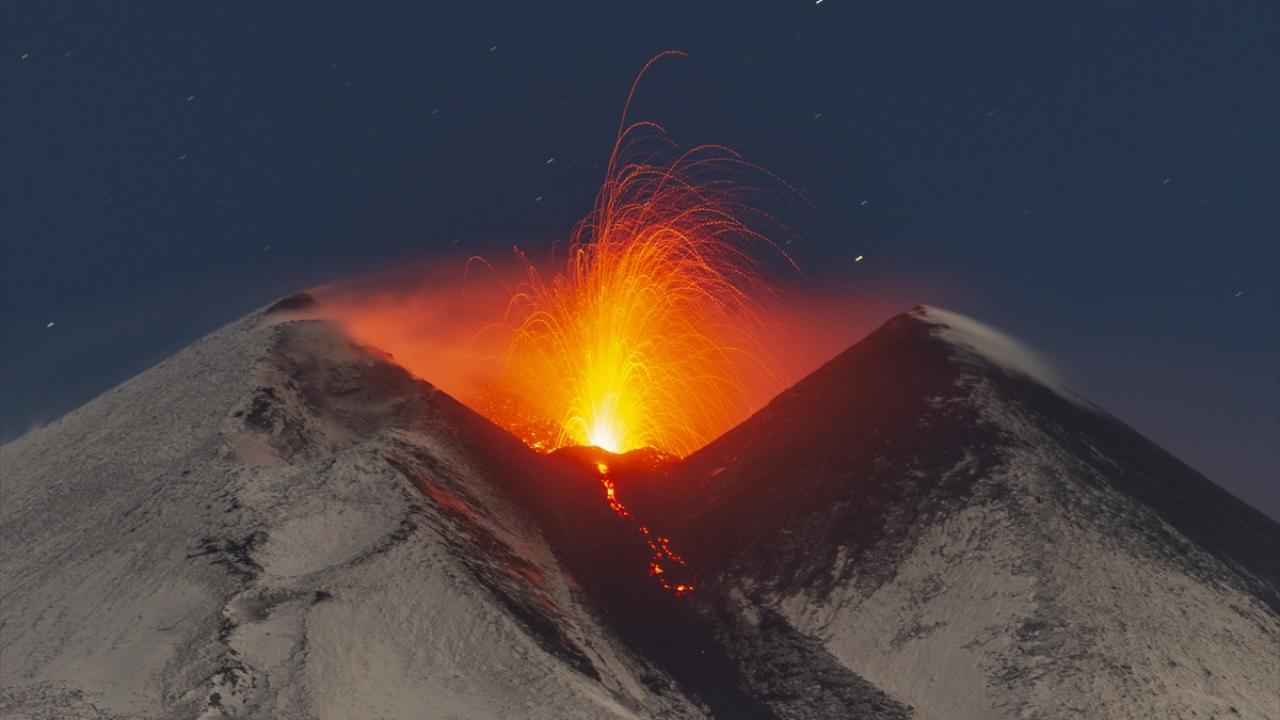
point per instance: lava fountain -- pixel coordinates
(644, 333)
(651, 328)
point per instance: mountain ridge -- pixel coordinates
(280, 522)
(934, 515)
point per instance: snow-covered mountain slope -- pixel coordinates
(278, 523)
(955, 526)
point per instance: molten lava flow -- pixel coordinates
(665, 563)
(645, 332)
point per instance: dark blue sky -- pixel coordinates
(1101, 181)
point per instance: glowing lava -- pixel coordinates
(644, 332)
(665, 565)
(649, 330)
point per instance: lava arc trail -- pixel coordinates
(645, 330)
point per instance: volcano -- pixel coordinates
(279, 522)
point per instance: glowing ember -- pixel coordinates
(642, 336)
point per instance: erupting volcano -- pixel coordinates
(644, 333)
(565, 409)
(641, 337)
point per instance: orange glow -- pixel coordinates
(654, 326)
(644, 332)
(429, 318)
(657, 324)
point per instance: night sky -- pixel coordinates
(1100, 181)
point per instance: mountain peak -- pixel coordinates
(973, 339)
(960, 530)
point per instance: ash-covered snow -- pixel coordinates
(1052, 595)
(277, 523)
(955, 531)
